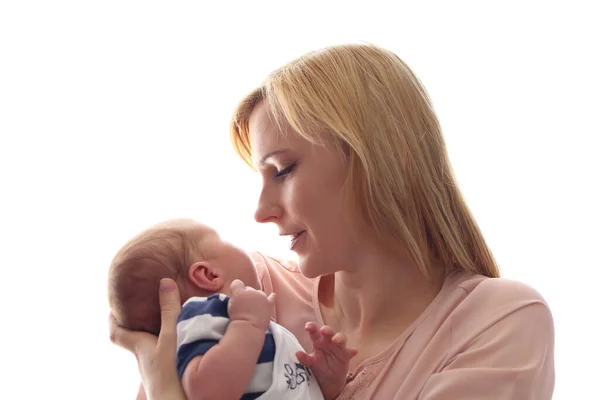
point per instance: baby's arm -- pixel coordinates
(226, 369)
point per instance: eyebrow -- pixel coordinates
(264, 159)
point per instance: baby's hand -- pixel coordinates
(250, 305)
(330, 359)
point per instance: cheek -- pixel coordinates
(295, 197)
(314, 201)
(247, 270)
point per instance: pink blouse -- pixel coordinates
(481, 338)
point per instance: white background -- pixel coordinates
(114, 115)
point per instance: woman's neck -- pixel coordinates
(380, 295)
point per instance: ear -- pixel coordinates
(205, 277)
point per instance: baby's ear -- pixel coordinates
(205, 277)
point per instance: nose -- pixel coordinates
(268, 209)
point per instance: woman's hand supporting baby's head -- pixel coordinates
(155, 355)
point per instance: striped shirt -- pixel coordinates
(202, 323)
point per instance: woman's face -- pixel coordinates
(302, 194)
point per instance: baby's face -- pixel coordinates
(237, 264)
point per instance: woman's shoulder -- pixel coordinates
(480, 331)
(498, 293)
(484, 304)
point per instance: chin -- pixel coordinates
(311, 268)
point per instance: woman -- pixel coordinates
(355, 171)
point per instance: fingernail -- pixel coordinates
(166, 285)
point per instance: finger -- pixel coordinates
(271, 300)
(133, 341)
(236, 286)
(311, 326)
(313, 332)
(342, 354)
(327, 332)
(352, 352)
(305, 359)
(339, 339)
(170, 306)
(120, 336)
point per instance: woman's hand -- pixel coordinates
(156, 356)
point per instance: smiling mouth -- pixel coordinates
(294, 238)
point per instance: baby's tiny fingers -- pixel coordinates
(313, 332)
(310, 326)
(339, 339)
(352, 352)
(327, 332)
(305, 359)
(236, 286)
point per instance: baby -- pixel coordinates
(227, 345)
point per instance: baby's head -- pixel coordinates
(191, 254)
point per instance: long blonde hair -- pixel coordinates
(369, 100)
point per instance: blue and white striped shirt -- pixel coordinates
(202, 323)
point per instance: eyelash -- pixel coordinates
(284, 173)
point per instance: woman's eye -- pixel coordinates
(286, 171)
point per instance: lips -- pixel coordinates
(294, 239)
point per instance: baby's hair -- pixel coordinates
(136, 271)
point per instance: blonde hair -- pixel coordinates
(370, 101)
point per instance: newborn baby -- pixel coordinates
(227, 345)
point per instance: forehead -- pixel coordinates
(266, 136)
